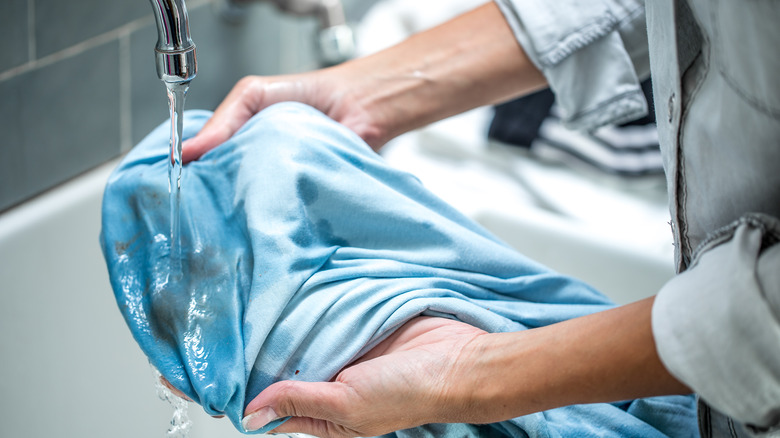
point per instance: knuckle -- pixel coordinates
(249, 84)
(245, 82)
(283, 401)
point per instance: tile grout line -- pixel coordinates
(31, 42)
(77, 49)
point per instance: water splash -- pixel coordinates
(180, 422)
(177, 93)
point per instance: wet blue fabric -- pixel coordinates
(304, 249)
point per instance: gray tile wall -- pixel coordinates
(14, 49)
(78, 85)
(61, 24)
(54, 126)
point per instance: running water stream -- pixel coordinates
(180, 423)
(177, 92)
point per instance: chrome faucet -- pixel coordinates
(175, 51)
(335, 41)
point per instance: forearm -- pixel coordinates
(471, 61)
(604, 357)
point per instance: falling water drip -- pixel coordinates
(180, 423)
(176, 95)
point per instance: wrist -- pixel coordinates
(344, 93)
(471, 61)
(602, 357)
(484, 387)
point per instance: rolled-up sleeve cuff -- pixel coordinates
(717, 325)
(578, 47)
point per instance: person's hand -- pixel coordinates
(324, 90)
(471, 61)
(407, 380)
(435, 370)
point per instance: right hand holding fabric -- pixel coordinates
(411, 378)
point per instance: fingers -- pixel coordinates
(374, 395)
(173, 389)
(317, 409)
(248, 97)
(206, 140)
(314, 427)
(244, 100)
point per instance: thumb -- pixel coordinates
(243, 101)
(215, 132)
(316, 407)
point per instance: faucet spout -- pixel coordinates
(175, 52)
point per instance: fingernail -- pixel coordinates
(259, 419)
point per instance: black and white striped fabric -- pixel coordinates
(630, 149)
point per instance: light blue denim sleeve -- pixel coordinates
(717, 325)
(591, 52)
